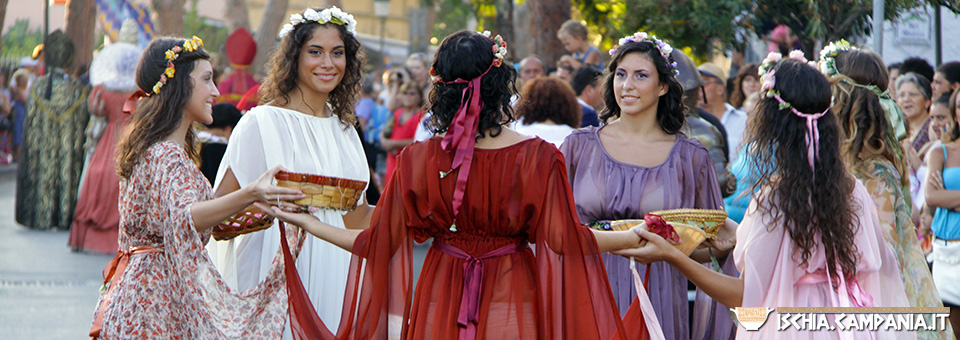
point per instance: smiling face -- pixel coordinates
(636, 85)
(199, 107)
(912, 101)
(322, 62)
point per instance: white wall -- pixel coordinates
(914, 36)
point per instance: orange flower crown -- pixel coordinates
(171, 56)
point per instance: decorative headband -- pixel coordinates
(767, 90)
(330, 15)
(664, 48)
(171, 55)
(828, 56)
(461, 138)
(499, 50)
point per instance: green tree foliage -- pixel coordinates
(705, 25)
(701, 25)
(213, 33)
(19, 40)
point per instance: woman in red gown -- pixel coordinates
(480, 279)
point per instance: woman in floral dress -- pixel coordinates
(162, 284)
(875, 157)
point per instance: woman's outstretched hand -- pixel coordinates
(653, 248)
(298, 216)
(263, 190)
(726, 237)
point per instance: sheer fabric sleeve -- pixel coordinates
(260, 312)
(380, 278)
(575, 297)
(245, 154)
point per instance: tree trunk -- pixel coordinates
(169, 17)
(3, 15)
(236, 14)
(80, 29)
(505, 23)
(266, 37)
(520, 49)
(546, 16)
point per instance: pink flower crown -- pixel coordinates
(499, 50)
(664, 48)
(171, 55)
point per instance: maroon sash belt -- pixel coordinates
(472, 283)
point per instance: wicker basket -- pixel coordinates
(323, 191)
(247, 221)
(691, 236)
(707, 219)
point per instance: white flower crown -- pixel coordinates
(330, 15)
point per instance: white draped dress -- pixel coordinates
(267, 136)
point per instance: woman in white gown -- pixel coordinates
(304, 123)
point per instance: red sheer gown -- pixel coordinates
(515, 196)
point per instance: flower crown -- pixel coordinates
(828, 56)
(171, 55)
(767, 90)
(329, 15)
(664, 48)
(499, 50)
(768, 79)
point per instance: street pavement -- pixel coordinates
(46, 290)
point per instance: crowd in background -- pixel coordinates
(553, 103)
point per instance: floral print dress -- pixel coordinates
(176, 292)
(882, 180)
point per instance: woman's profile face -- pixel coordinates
(323, 61)
(636, 84)
(199, 108)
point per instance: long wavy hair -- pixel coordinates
(549, 98)
(737, 97)
(160, 114)
(862, 118)
(465, 55)
(815, 208)
(284, 65)
(669, 106)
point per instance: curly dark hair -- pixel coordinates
(284, 65)
(549, 98)
(160, 114)
(465, 55)
(669, 106)
(737, 96)
(862, 118)
(777, 139)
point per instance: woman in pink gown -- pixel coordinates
(811, 223)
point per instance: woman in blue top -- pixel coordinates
(573, 35)
(943, 193)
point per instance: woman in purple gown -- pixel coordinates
(612, 179)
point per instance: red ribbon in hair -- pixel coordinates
(131, 104)
(462, 137)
